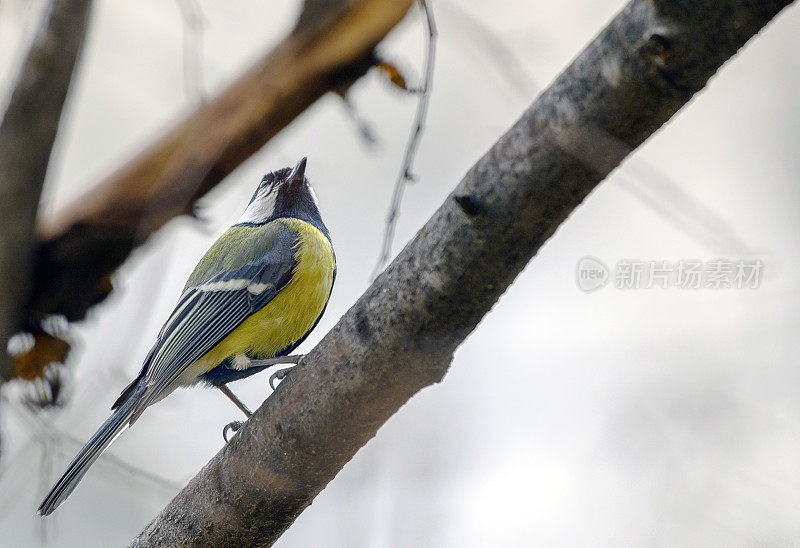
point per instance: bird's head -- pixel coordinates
(282, 193)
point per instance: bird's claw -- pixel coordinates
(280, 374)
(233, 427)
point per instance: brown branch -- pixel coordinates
(83, 244)
(401, 334)
(27, 134)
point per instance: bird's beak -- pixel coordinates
(299, 171)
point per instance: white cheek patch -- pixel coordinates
(313, 195)
(260, 209)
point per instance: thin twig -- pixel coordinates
(405, 176)
(51, 438)
(193, 30)
(368, 137)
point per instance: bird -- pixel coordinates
(256, 294)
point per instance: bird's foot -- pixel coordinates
(232, 427)
(280, 374)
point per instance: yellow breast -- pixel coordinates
(288, 316)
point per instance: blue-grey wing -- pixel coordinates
(210, 311)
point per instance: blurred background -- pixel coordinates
(617, 417)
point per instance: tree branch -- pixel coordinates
(83, 244)
(27, 134)
(401, 334)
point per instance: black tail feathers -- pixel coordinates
(94, 447)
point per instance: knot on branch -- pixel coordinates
(660, 49)
(468, 204)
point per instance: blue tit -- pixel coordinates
(255, 295)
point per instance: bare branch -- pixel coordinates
(401, 334)
(27, 134)
(406, 168)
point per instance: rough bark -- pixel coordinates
(401, 334)
(27, 134)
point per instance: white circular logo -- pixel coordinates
(591, 274)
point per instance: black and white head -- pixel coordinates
(283, 193)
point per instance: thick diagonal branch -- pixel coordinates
(27, 134)
(401, 334)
